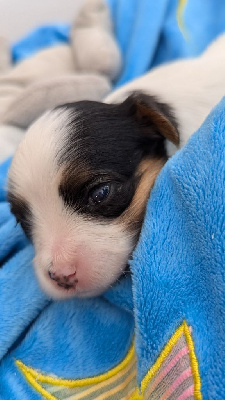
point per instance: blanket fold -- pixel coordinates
(149, 34)
(178, 266)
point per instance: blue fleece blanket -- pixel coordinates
(163, 329)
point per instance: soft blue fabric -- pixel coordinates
(178, 265)
(148, 31)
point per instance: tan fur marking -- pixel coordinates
(147, 172)
(162, 123)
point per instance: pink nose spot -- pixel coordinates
(64, 277)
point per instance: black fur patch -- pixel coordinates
(20, 208)
(108, 141)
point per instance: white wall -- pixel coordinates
(18, 17)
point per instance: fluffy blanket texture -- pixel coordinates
(159, 333)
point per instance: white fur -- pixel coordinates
(192, 87)
(99, 251)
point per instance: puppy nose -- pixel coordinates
(64, 280)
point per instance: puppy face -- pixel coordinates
(79, 183)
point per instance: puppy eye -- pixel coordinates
(99, 194)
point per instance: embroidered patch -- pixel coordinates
(175, 374)
(118, 383)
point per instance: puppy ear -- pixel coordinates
(154, 117)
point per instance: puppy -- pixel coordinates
(79, 183)
(81, 177)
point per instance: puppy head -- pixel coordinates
(78, 185)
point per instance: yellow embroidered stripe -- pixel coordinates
(114, 384)
(119, 382)
(127, 375)
(81, 382)
(194, 362)
(136, 395)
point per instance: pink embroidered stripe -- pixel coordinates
(188, 392)
(167, 369)
(186, 374)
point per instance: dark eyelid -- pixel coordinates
(105, 178)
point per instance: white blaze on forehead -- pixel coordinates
(34, 168)
(35, 175)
